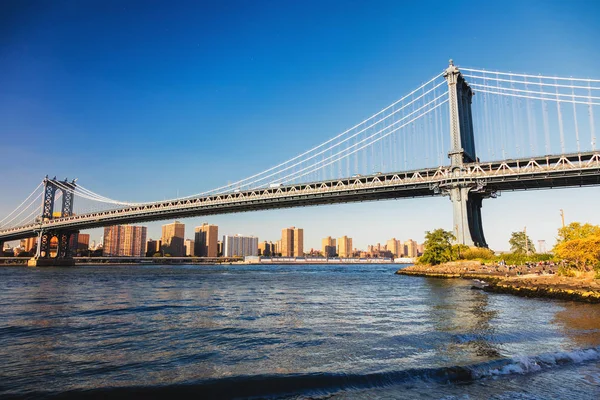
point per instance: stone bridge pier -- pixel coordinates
(466, 195)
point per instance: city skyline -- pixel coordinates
(292, 99)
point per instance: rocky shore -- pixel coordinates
(528, 281)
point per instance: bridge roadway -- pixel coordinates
(572, 170)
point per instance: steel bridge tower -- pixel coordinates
(64, 237)
(465, 193)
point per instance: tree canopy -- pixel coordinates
(438, 247)
(520, 243)
(579, 244)
(575, 230)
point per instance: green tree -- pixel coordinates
(438, 247)
(575, 230)
(520, 243)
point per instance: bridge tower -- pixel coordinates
(465, 193)
(63, 256)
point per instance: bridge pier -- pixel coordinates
(468, 227)
(63, 256)
(465, 194)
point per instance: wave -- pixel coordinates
(323, 384)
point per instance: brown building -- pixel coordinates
(173, 236)
(152, 247)
(395, 247)
(292, 242)
(344, 246)
(83, 241)
(189, 247)
(410, 248)
(124, 240)
(29, 245)
(328, 247)
(206, 240)
(266, 249)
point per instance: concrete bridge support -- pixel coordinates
(466, 206)
(466, 196)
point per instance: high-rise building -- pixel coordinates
(328, 247)
(395, 247)
(124, 240)
(152, 247)
(266, 249)
(206, 240)
(292, 242)
(410, 248)
(240, 246)
(189, 247)
(277, 250)
(344, 246)
(83, 241)
(173, 236)
(29, 244)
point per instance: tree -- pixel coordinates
(438, 247)
(575, 230)
(583, 253)
(520, 243)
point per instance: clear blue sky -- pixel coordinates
(142, 100)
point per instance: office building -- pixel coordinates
(124, 240)
(292, 242)
(173, 236)
(189, 247)
(240, 246)
(206, 238)
(328, 247)
(344, 246)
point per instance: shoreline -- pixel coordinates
(535, 285)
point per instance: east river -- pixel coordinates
(335, 332)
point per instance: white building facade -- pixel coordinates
(240, 246)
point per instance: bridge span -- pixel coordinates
(536, 127)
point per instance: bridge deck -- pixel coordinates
(546, 172)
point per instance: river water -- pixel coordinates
(335, 332)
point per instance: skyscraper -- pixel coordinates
(124, 240)
(240, 246)
(328, 247)
(206, 239)
(292, 242)
(173, 236)
(344, 246)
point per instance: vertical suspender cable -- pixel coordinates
(546, 123)
(575, 119)
(560, 121)
(591, 116)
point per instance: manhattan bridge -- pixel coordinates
(466, 133)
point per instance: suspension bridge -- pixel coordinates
(532, 131)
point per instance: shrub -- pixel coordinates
(477, 253)
(565, 270)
